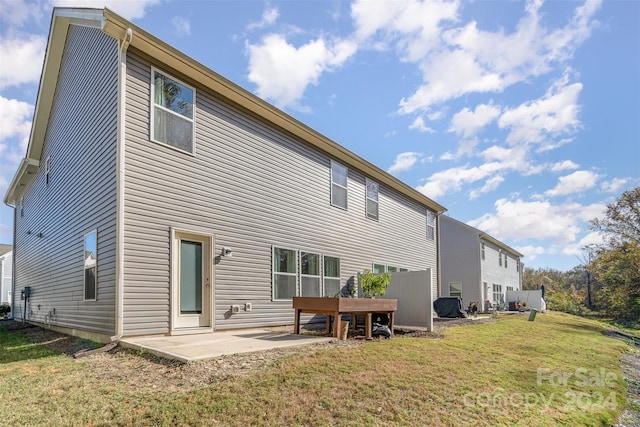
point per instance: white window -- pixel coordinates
(378, 268)
(455, 289)
(47, 171)
(90, 265)
(403, 269)
(431, 225)
(285, 273)
(392, 269)
(505, 260)
(331, 276)
(498, 296)
(339, 185)
(310, 275)
(482, 250)
(172, 115)
(500, 258)
(372, 199)
(21, 207)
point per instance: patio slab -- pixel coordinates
(187, 348)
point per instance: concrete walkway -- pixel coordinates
(187, 348)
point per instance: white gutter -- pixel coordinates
(122, 98)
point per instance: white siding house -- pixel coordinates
(476, 266)
(6, 268)
(182, 203)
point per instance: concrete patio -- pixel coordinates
(187, 348)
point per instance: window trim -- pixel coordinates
(373, 267)
(84, 269)
(346, 188)
(273, 272)
(499, 258)
(482, 251)
(368, 214)
(153, 104)
(431, 216)
(455, 283)
(500, 291)
(318, 276)
(324, 275)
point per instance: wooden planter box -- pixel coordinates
(336, 307)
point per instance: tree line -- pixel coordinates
(607, 282)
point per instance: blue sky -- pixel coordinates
(522, 118)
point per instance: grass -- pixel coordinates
(558, 370)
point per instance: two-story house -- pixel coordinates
(475, 266)
(158, 197)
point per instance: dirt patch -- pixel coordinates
(141, 370)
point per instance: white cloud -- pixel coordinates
(467, 123)
(556, 113)
(614, 186)
(126, 8)
(462, 60)
(404, 162)
(25, 55)
(490, 185)
(17, 12)
(577, 249)
(576, 182)
(531, 252)
(443, 182)
(269, 17)
(536, 220)
(16, 123)
(563, 166)
(419, 125)
(414, 25)
(181, 25)
(282, 72)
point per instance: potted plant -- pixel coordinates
(374, 284)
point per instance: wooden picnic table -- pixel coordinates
(336, 307)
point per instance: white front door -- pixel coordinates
(192, 285)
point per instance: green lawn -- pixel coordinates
(557, 370)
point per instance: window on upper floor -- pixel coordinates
(21, 207)
(172, 112)
(505, 260)
(431, 225)
(47, 171)
(339, 175)
(90, 266)
(482, 250)
(372, 199)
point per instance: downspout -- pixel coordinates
(120, 166)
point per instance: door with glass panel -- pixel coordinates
(192, 288)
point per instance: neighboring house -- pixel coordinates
(157, 197)
(475, 266)
(6, 267)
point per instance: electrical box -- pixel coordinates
(26, 293)
(247, 306)
(235, 308)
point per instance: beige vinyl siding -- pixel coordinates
(81, 195)
(251, 186)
